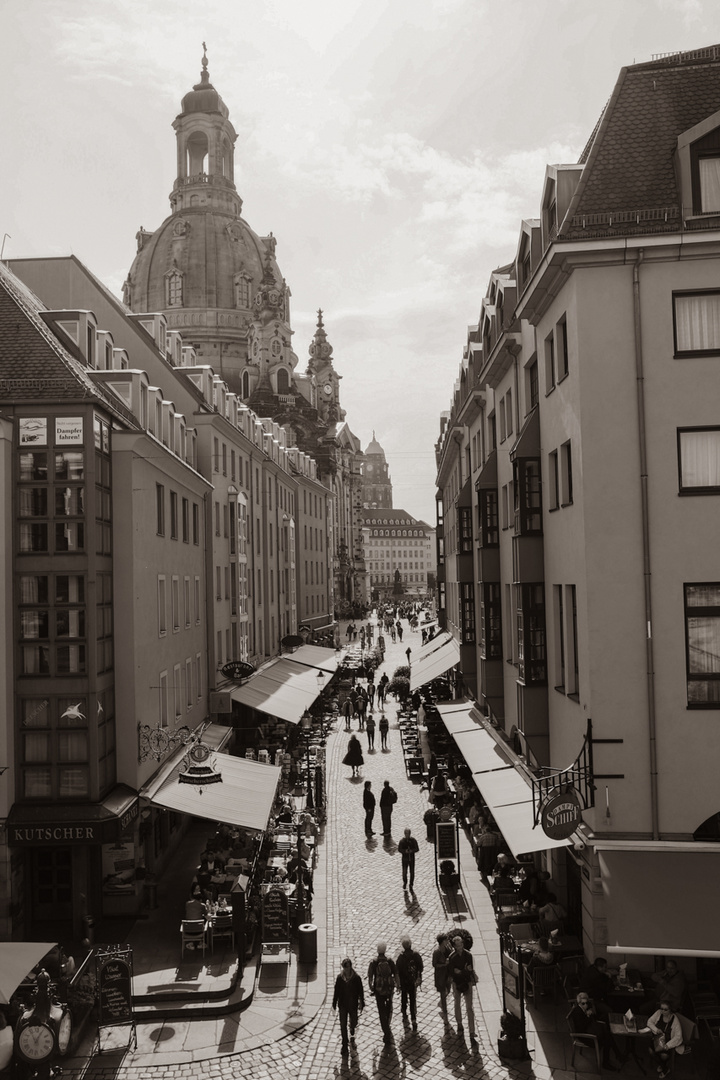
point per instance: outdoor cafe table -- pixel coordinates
(620, 1029)
(568, 945)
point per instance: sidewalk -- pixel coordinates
(289, 1029)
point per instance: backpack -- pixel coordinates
(411, 970)
(384, 982)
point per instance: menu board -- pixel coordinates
(512, 990)
(445, 840)
(115, 992)
(275, 921)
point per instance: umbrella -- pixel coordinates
(17, 958)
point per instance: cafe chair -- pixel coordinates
(193, 935)
(581, 1041)
(221, 928)
(683, 1054)
(414, 767)
(542, 979)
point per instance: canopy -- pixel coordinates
(17, 959)
(426, 668)
(662, 902)
(282, 688)
(244, 798)
(432, 645)
(505, 790)
(314, 656)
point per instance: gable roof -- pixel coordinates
(33, 363)
(628, 183)
(391, 517)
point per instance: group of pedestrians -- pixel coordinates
(388, 798)
(453, 968)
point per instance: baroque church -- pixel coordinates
(218, 283)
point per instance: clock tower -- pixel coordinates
(324, 376)
(377, 485)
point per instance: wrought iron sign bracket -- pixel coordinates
(155, 742)
(578, 776)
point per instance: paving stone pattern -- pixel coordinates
(365, 904)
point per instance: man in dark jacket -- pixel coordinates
(349, 1000)
(382, 980)
(369, 805)
(388, 798)
(407, 847)
(584, 1020)
(409, 968)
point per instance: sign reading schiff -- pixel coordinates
(561, 814)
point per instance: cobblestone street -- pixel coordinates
(366, 903)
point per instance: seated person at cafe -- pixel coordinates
(308, 826)
(503, 881)
(504, 859)
(204, 880)
(667, 1036)
(584, 1020)
(194, 909)
(552, 913)
(596, 981)
(533, 890)
(213, 859)
(542, 955)
(671, 985)
(285, 817)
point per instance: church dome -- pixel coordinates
(204, 98)
(375, 448)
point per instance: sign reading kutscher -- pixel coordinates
(561, 814)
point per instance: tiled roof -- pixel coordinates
(387, 517)
(629, 165)
(33, 363)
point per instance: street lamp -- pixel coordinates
(306, 728)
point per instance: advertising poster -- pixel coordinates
(32, 430)
(69, 431)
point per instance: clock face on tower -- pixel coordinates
(327, 388)
(36, 1042)
(369, 468)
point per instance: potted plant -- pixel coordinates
(449, 877)
(431, 817)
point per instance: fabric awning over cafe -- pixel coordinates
(504, 789)
(431, 646)
(426, 668)
(17, 959)
(244, 798)
(662, 903)
(282, 688)
(316, 657)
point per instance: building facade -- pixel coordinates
(577, 496)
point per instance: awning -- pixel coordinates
(17, 959)
(432, 645)
(664, 903)
(488, 475)
(244, 798)
(504, 789)
(316, 657)
(73, 823)
(427, 668)
(282, 688)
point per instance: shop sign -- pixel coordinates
(32, 431)
(561, 814)
(291, 641)
(275, 921)
(512, 991)
(115, 992)
(237, 670)
(52, 833)
(445, 837)
(69, 431)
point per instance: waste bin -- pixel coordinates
(307, 943)
(88, 930)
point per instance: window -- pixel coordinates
(562, 348)
(163, 701)
(559, 617)
(186, 521)
(553, 480)
(186, 598)
(528, 496)
(196, 523)
(174, 288)
(175, 603)
(709, 183)
(189, 700)
(505, 507)
(503, 430)
(696, 323)
(197, 600)
(162, 606)
(573, 683)
(217, 518)
(218, 583)
(533, 389)
(173, 515)
(464, 528)
(531, 634)
(509, 412)
(216, 455)
(177, 691)
(702, 645)
(699, 460)
(490, 621)
(566, 477)
(549, 363)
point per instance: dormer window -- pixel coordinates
(697, 166)
(708, 182)
(242, 289)
(174, 288)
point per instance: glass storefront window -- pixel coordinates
(74, 783)
(33, 537)
(34, 589)
(70, 659)
(69, 589)
(69, 536)
(37, 783)
(70, 622)
(33, 624)
(34, 465)
(69, 501)
(32, 502)
(35, 660)
(69, 465)
(36, 746)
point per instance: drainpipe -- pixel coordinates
(647, 578)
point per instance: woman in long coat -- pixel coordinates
(354, 756)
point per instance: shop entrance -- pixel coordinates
(51, 892)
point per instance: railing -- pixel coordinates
(711, 53)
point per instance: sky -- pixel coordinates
(392, 147)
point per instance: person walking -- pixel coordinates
(381, 695)
(398, 627)
(354, 757)
(409, 968)
(349, 1001)
(463, 978)
(371, 694)
(388, 798)
(361, 707)
(370, 728)
(381, 645)
(383, 728)
(382, 980)
(488, 845)
(348, 711)
(369, 807)
(441, 973)
(408, 848)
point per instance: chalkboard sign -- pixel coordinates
(115, 992)
(275, 922)
(445, 840)
(512, 990)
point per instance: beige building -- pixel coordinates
(578, 488)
